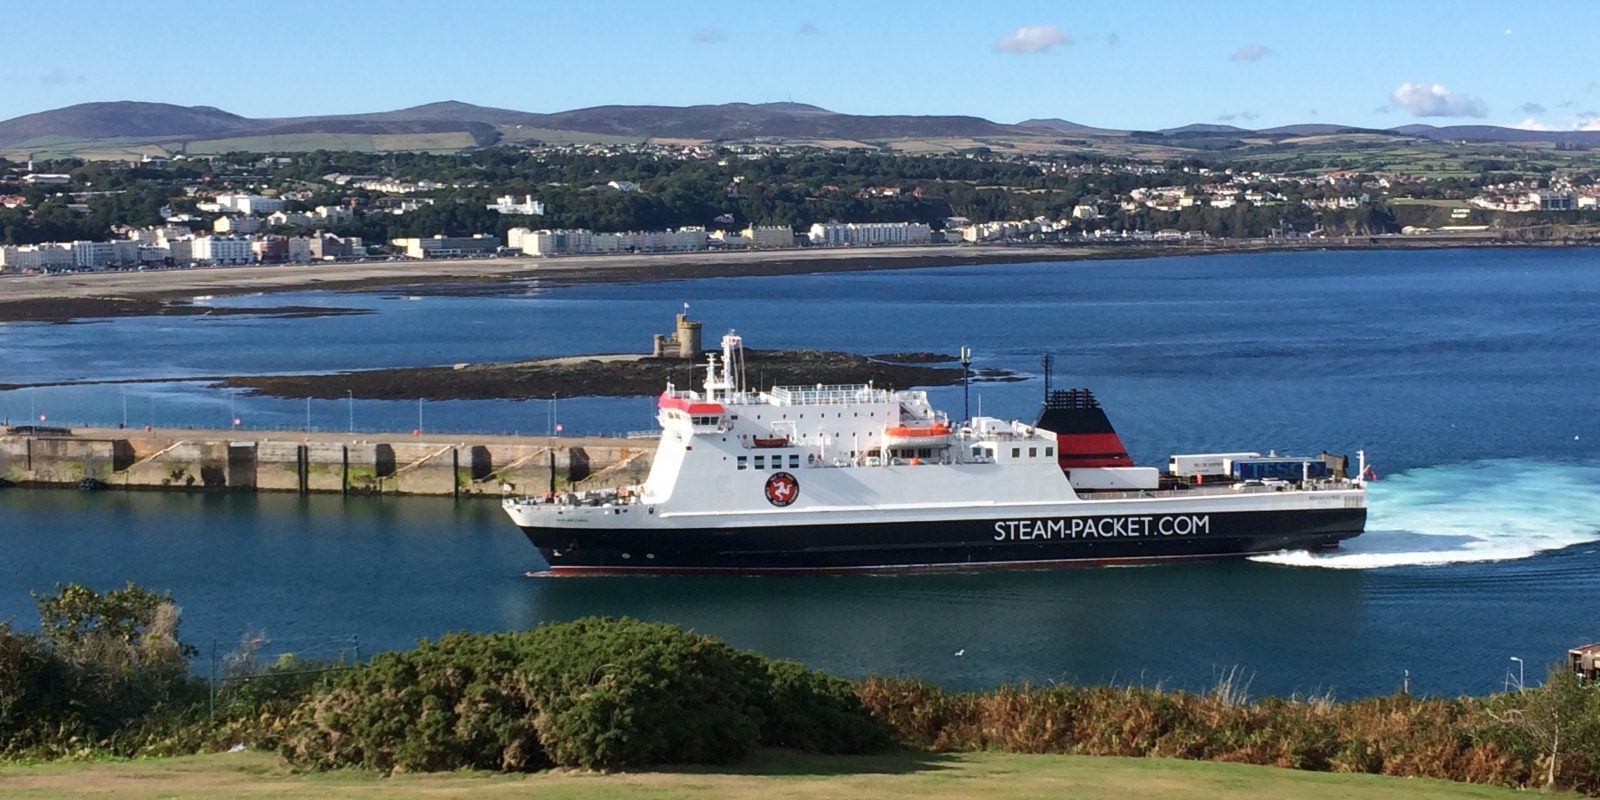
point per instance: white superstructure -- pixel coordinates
(823, 455)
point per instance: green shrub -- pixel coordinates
(612, 693)
(815, 712)
(32, 690)
(441, 706)
(595, 693)
(106, 674)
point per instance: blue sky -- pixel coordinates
(1122, 65)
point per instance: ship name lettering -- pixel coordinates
(1027, 530)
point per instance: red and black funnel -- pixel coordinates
(1084, 436)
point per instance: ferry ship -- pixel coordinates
(854, 478)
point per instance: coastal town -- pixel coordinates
(250, 209)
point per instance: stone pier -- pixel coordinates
(452, 465)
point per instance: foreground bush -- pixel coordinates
(105, 674)
(108, 676)
(1462, 739)
(595, 693)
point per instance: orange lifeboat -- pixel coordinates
(935, 434)
(769, 441)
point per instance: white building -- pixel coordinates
(447, 246)
(834, 234)
(508, 204)
(220, 250)
(15, 258)
(393, 186)
(180, 249)
(1549, 200)
(580, 241)
(250, 203)
(294, 218)
(828, 234)
(299, 249)
(101, 255)
(93, 255)
(232, 224)
(551, 242)
(332, 213)
(678, 241)
(763, 237)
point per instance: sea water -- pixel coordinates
(1467, 376)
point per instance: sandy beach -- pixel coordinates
(186, 283)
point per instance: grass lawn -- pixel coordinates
(925, 776)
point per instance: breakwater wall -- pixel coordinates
(450, 465)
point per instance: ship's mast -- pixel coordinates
(966, 384)
(721, 382)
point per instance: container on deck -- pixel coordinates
(1282, 467)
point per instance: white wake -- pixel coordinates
(1462, 513)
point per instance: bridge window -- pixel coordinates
(744, 462)
(1049, 452)
(761, 462)
(1033, 452)
(794, 461)
(1016, 452)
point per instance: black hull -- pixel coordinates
(932, 546)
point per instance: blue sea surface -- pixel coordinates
(1468, 376)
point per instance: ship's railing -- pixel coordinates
(1322, 485)
(827, 395)
(619, 496)
(970, 437)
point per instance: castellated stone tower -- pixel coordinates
(683, 342)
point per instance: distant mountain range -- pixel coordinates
(129, 122)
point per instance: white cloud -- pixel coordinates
(1254, 52)
(1533, 109)
(1584, 122)
(1032, 39)
(709, 36)
(1243, 116)
(1436, 100)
